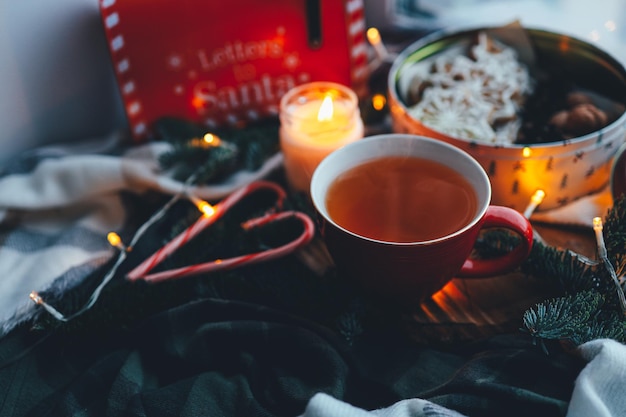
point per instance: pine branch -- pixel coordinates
(563, 318)
(586, 310)
(208, 164)
(561, 269)
(589, 308)
(247, 149)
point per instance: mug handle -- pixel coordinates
(498, 216)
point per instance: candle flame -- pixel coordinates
(526, 152)
(326, 109)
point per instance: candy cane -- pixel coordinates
(202, 223)
(230, 263)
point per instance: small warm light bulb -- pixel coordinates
(538, 197)
(198, 103)
(597, 223)
(211, 140)
(597, 228)
(526, 152)
(205, 208)
(115, 240)
(603, 255)
(378, 102)
(202, 205)
(373, 36)
(35, 297)
(535, 200)
(325, 112)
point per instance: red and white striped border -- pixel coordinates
(123, 67)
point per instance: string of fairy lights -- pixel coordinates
(209, 139)
(115, 240)
(209, 215)
(208, 210)
(536, 200)
(602, 254)
(378, 102)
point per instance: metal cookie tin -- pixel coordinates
(566, 170)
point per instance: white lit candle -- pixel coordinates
(315, 119)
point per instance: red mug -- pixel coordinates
(404, 271)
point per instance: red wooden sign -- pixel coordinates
(228, 62)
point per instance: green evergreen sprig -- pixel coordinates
(208, 164)
(589, 307)
(584, 306)
(561, 269)
(562, 318)
(576, 318)
(242, 149)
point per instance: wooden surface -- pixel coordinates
(470, 309)
(579, 240)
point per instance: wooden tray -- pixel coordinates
(470, 309)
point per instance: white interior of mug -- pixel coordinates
(396, 144)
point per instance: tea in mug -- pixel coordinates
(401, 199)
